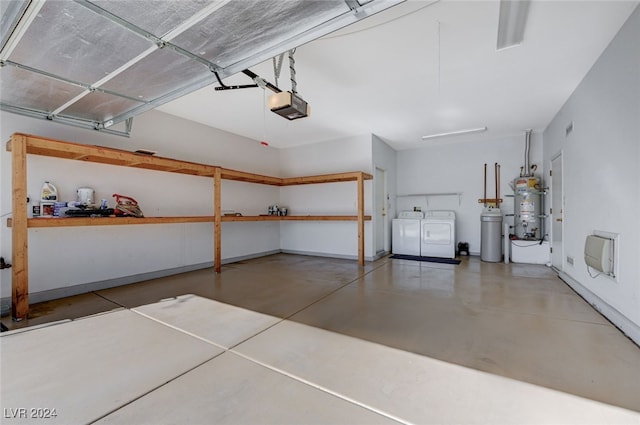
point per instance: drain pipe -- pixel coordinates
(506, 244)
(485, 185)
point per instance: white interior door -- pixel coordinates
(381, 209)
(557, 208)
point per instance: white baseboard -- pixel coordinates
(249, 257)
(621, 321)
(380, 255)
(323, 254)
(68, 291)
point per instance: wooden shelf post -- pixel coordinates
(360, 182)
(217, 220)
(19, 231)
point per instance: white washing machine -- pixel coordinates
(438, 234)
(405, 235)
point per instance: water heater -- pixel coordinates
(528, 208)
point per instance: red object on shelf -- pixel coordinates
(127, 206)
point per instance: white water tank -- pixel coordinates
(528, 208)
(491, 235)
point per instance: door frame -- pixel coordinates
(557, 211)
(381, 233)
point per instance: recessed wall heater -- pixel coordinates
(455, 133)
(599, 254)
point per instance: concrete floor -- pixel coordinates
(516, 321)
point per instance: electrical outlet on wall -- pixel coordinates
(569, 260)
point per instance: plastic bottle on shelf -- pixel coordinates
(49, 192)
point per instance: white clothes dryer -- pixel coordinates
(438, 234)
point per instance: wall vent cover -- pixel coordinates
(598, 253)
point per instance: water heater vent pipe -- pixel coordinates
(526, 172)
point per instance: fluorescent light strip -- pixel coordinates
(511, 23)
(455, 133)
(29, 15)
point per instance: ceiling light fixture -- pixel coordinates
(513, 17)
(455, 133)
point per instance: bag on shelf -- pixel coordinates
(127, 206)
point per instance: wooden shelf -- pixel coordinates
(67, 150)
(119, 221)
(242, 176)
(110, 221)
(228, 174)
(326, 178)
(21, 145)
(294, 218)
(36, 145)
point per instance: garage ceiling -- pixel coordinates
(425, 67)
(417, 68)
(98, 63)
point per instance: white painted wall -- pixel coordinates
(326, 238)
(333, 156)
(64, 257)
(601, 179)
(61, 257)
(448, 167)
